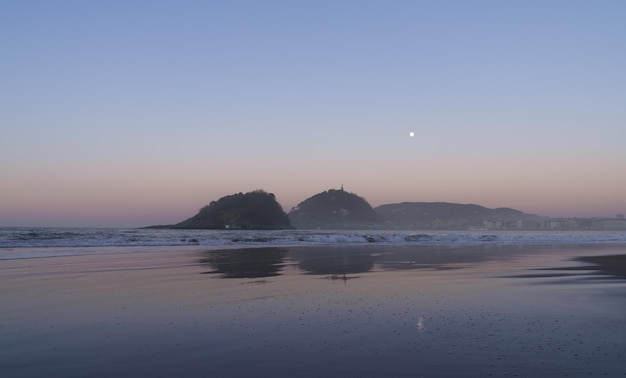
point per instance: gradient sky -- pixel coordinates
(131, 113)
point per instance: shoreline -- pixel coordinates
(365, 311)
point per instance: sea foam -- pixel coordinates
(37, 242)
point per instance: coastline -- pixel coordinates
(364, 311)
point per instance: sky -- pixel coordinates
(133, 113)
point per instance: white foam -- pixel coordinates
(38, 242)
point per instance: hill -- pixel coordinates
(257, 210)
(448, 215)
(335, 209)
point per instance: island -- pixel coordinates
(256, 210)
(335, 209)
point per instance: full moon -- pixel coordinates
(411, 134)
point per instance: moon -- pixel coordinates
(411, 134)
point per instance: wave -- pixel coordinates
(29, 238)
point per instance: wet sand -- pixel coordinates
(612, 265)
(318, 311)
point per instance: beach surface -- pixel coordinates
(367, 311)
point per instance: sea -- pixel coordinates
(30, 242)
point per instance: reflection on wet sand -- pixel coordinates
(440, 257)
(336, 263)
(341, 262)
(245, 263)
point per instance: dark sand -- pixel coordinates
(318, 312)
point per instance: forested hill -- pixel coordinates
(444, 214)
(257, 210)
(336, 209)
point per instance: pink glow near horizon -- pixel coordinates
(138, 206)
(142, 123)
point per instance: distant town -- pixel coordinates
(550, 224)
(609, 224)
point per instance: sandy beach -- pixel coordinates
(369, 311)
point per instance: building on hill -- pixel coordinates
(334, 209)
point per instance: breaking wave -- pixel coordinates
(36, 242)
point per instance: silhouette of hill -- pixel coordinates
(447, 215)
(257, 210)
(336, 209)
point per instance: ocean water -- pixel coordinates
(16, 242)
